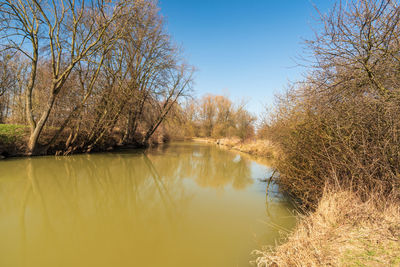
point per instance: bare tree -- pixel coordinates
(67, 32)
(7, 82)
(358, 44)
(97, 69)
(178, 85)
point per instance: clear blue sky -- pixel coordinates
(242, 48)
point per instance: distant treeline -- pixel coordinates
(214, 116)
(85, 74)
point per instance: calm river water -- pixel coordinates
(183, 204)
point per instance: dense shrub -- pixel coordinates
(341, 125)
(351, 144)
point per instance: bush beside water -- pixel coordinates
(337, 135)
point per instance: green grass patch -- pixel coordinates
(9, 133)
(385, 253)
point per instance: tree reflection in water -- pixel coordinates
(122, 208)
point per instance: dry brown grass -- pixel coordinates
(256, 147)
(343, 231)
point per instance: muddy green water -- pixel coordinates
(183, 204)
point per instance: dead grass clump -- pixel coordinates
(229, 142)
(343, 231)
(256, 147)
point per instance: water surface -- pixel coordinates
(184, 204)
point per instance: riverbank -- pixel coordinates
(254, 147)
(343, 231)
(14, 139)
